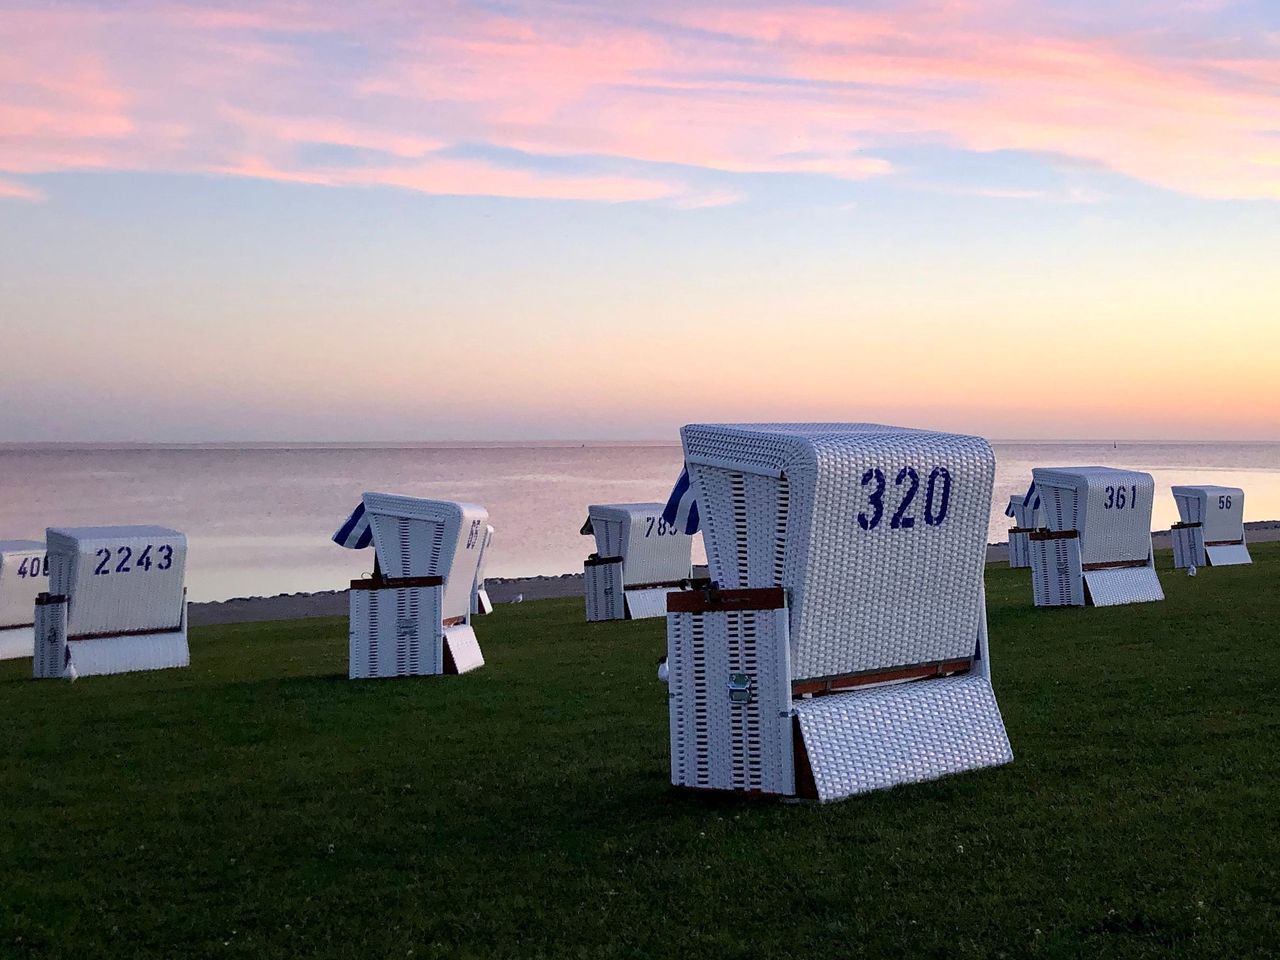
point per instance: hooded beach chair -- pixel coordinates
(639, 559)
(117, 602)
(1211, 531)
(1026, 514)
(842, 646)
(413, 616)
(24, 573)
(1095, 546)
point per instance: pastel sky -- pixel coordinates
(397, 220)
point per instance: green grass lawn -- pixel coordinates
(260, 804)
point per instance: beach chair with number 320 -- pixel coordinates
(842, 646)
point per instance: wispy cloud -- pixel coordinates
(594, 103)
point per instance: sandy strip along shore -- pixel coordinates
(333, 603)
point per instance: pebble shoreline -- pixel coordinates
(333, 603)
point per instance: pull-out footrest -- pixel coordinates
(1113, 586)
(16, 642)
(899, 733)
(461, 649)
(1227, 554)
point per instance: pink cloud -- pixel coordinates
(646, 108)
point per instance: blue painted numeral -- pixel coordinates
(876, 500)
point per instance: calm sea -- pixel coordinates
(259, 518)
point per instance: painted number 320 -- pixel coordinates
(937, 498)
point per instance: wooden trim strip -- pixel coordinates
(127, 633)
(396, 583)
(1187, 526)
(1043, 534)
(1023, 529)
(1225, 543)
(1113, 565)
(45, 599)
(595, 560)
(712, 601)
(850, 681)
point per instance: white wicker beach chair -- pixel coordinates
(1211, 531)
(116, 601)
(1026, 513)
(480, 603)
(24, 573)
(413, 616)
(843, 646)
(1095, 546)
(639, 559)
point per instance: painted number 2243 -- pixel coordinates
(123, 560)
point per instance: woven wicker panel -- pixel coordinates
(1019, 550)
(22, 576)
(50, 641)
(1078, 498)
(1056, 579)
(464, 648)
(603, 585)
(1110, 588)
(1220, 509)
(118, 579)
(718, 744)
(394, 632)
(901, 733)
(1188, 547)
(780, 506)
(1228, 555)
(645, 604)
(130, 654)
(430, 538)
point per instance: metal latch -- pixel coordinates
(741, 688)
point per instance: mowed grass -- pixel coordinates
(261, 805)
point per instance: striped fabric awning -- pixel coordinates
(682, 507)
(355, 533)
(1032, 499)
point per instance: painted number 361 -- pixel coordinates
(937, 498)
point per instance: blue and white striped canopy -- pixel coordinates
(1032, 500)
(682, 506)
(355, 533)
